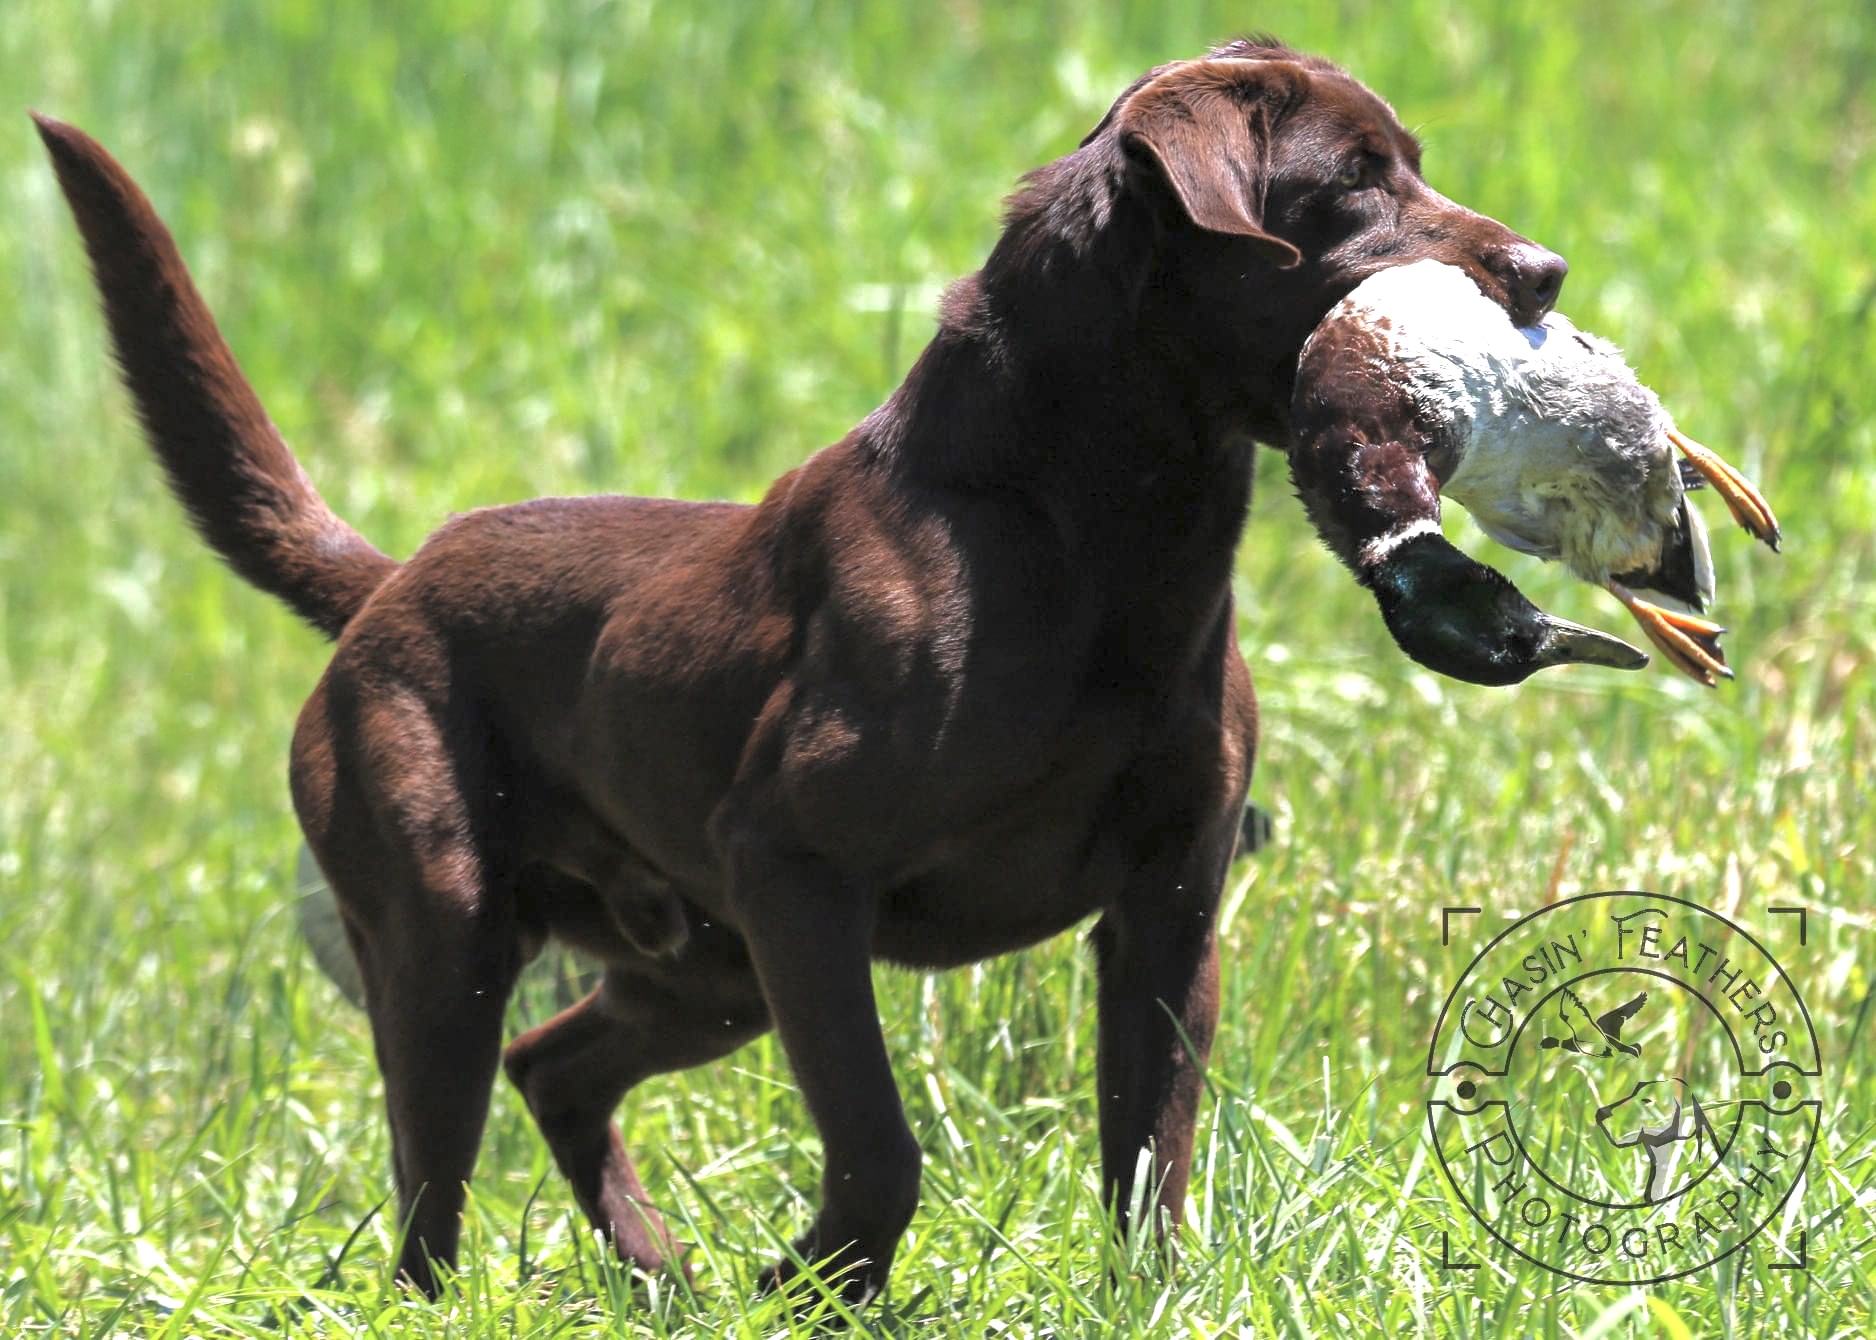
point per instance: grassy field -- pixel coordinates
(472, 252)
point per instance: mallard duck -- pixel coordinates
(1544, 434)
(1597, 1037)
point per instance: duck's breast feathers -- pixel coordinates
(1432, 311)
(1544, 433)
(1427, 330)
(1532, 415)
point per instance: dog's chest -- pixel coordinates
(1030, 860)
(1005, 892)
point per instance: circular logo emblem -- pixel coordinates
(1622, 1087)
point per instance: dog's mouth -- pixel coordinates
(1524, 312)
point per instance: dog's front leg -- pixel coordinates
(810, 936)
(1158, 1010)
(1175, 818)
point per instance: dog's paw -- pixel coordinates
(849, 1271)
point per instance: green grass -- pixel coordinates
(474, 251)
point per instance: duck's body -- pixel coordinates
(1545, 435)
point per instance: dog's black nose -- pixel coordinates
(1545, 278)
(1533, 276)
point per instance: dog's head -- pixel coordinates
(1652, 1112)
(1270, 184)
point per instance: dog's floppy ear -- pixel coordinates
(1204, 126)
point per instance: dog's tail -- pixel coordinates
(225, 460)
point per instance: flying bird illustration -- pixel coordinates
(1597, 1037)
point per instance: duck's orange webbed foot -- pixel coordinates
(1745, 502)
(1691, 643)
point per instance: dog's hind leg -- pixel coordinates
(436, 939)
(639, 901)
(668, 1013)
(435, 988)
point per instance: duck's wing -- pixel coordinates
(1610, 1022)
(1684, 572)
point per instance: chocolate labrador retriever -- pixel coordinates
(959, 681)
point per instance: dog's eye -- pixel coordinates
(1353, 176)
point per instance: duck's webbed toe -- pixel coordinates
(1691, 644)
(1743, 500)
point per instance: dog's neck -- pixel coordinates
(1049, 371)
(1043, 386)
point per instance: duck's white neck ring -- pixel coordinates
(1376, 550)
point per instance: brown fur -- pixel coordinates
(959, 681)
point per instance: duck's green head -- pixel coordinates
(1457, 616)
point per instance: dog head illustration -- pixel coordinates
(1658, 1117)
